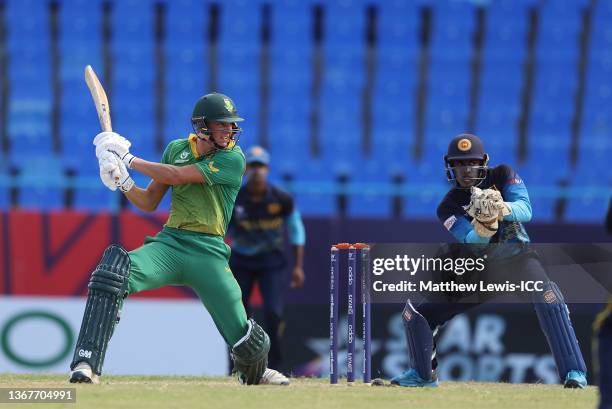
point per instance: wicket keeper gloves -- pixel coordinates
(115, 143)
(486, 207)
(113, 172)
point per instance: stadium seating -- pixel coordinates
(314, 122)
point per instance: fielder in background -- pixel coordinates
(205, 172)
(603, 342)
(489, 205)
(262, 214)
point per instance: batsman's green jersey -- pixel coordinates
(206, 207)
(190, 249)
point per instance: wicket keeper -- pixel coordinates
(489, 205)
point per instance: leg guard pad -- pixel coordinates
(420, 341)
(107, 287)
(553, 315)
(250, 354)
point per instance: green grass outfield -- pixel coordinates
(133, 392)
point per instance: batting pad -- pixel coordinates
(250, 354)
(553, 315)
(107, 286)
(420, 340)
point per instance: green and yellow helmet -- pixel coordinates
(215, 107)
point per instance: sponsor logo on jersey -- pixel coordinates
(450, 222)
(211, 167)
(464, 145)
(515, 181)
(274, 208)
(183, 157)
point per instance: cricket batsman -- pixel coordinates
(205, 172)
(489, 205)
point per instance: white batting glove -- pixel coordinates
(109, 169)
(125, 183)
(116, 144)
(114, 173)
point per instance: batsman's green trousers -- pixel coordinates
(200, 261)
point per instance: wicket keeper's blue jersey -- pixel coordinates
(452, 214)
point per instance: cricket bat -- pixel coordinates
(101, 103)
(99, 98)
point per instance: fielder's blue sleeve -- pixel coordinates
(295, 228)
(516, 196)
(464, 232)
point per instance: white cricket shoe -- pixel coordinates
(273, 377)
(82, 373)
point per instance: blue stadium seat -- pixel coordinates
(603, 9)
(76, 58)
(453, 26)
(183, 89)
(542, 174)
(596, 126)
(240, 23)
(370, 196)
(133, 65)
(233, 74)
(345, 66)
(344, 24)
(590, 184)
(393, 147)
(26, 20)
(549, 131)
(316, 195)
(422, 200)
(588, 205)
(80, 24)
(545, 168)
(601, 38)
(316, 204)
(442, 124)
(502, 72)
(186, 22)
(291, 24)
(497, 99)
(291, 79)
(41, 182)
(288, 131)
(94, 196)
(396, 69)
(398, 24)
(562, 12)
(449, 95)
